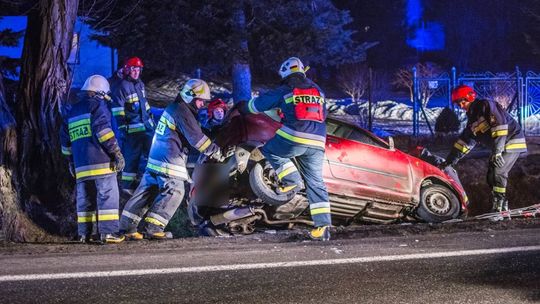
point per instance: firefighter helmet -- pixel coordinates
(134, 62)
(463, 92)
(290, 66)
(195, 88)
(96, 83)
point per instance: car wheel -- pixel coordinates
(437, 204)
(263, 182)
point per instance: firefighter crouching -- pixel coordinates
(134, 121)
(94, 157)
(302, 137)
(488, 123)
(162, 186)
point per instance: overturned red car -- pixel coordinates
(368, 179)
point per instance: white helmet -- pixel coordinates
(291, 65)
(195, 88)
(96, 83)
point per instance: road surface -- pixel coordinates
(485, 265)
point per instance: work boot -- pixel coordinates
(292, 208)
(163, 235)
(498, 203)
(110, 238)
(88, 239)
(135, 236)
(320, 233)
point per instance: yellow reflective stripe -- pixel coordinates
(251, 106)
(499, 189)
(300, 140)
(94, 172)
(169, 171)
(86, 219)
(152, 220)
(119, 111)
(84, 121)
(320, 211)
(516, 146)
(106, 136)
(286, 172)
(499, 133)
(288, 188)
(483, 127)
(461, 148)
(205, 145)
(164, 119)
(108, 217)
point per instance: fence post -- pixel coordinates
(519, 93)
(370, 118)
(415, 102)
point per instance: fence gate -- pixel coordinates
(519, 95)
(429, 89)
(531, 108)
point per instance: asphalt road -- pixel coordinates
(486, 266)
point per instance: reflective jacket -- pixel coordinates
(87, 137)
(177, 129)
(130, 107)
(304, 111)
(490, 124)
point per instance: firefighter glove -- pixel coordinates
(497, 160)
(118, 163)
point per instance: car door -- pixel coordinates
(366, 163)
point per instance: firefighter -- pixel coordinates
(490, 124)
(162, 186)
(134, 121)
(94, 158)
(302, 137)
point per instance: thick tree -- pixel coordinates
(33, 182)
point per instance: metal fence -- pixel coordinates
(519, 94)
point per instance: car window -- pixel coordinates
(351, 133)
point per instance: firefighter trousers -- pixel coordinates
(97, 205)
(497, 178)
(135, 148)
(156, 199)
(280, 153)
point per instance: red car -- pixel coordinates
(367, 178)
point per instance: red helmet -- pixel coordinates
(463, 92)
(134, 62)
(214, 104)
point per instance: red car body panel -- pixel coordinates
(361, 167)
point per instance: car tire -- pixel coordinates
(261, 178)
(437, 204)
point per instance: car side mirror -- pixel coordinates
(391, 143)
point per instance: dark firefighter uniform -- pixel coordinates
(162, 186)
(88, 141)
(303, 137)
(491, 125)
(133, 119)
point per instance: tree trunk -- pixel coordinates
(241, 72)
(35, 166)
